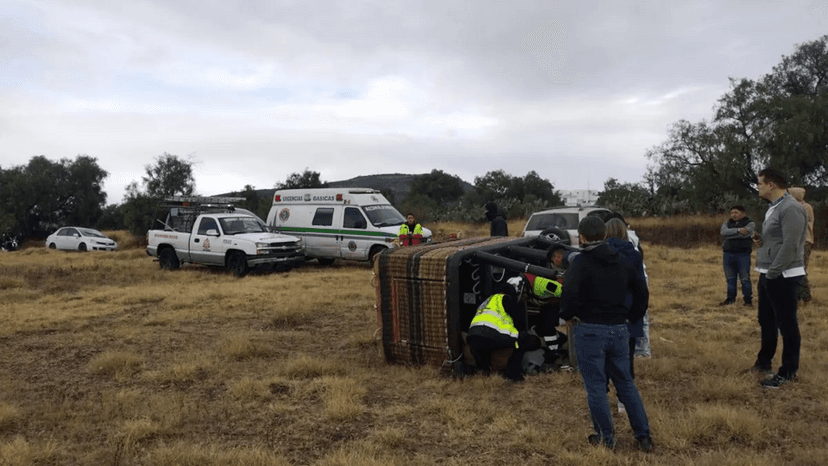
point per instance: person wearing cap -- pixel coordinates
(500, 324)
(597, 284)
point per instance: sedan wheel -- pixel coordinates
(82, 247)
(52, 246)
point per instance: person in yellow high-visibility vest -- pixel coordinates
(500, 323)
(544, 287)
(411, 232)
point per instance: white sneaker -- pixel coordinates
(621, 408)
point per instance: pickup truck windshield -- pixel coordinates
(236, 225)
(383, 215)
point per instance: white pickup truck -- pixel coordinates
(210, 231)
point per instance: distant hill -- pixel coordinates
(397, 184)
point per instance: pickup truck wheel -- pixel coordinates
(556, 234)
(168, 260)
(237, 263)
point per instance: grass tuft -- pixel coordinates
(9, 416)
(116, 363)
(308, 367)
(19, 452)
(249, 389)
(242, 346)
(343, 398)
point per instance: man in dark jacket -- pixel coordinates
(597, 282)
(495, 218)
(737, 246)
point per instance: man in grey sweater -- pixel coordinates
(781, 266)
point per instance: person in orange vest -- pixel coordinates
(411, 232)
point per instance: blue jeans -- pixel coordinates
(737, 263)
(777, 315)
(604, 353)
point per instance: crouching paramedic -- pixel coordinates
(500, 324)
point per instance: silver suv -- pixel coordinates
(561, 224)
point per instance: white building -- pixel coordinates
(579, 197)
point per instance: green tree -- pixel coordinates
(42, 195)
(780, 120)
(255, 202)
(423, 207)
(139, 210)
(493, 186)
(500, 187)
(170, 176)
(306, 179)
(112, 218)
(84, 198)
(539, 188)
(438, 186)
(628, 199)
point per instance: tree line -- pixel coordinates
(438, 196)
(779, 120)
(44, 195)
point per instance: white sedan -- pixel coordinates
(80, 239)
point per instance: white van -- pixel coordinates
(347, 223)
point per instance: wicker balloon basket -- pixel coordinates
(428, 294)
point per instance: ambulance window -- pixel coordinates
(323, 216)
(353, 219)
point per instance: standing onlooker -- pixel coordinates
(805, 286)
(780, 264)
(597, 283)
(498, 223)
(642, 339)
(616, 237)
(737, 246)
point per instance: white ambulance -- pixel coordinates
(347, 223)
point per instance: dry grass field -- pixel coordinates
(108, 360)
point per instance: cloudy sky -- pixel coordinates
(252, 91)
